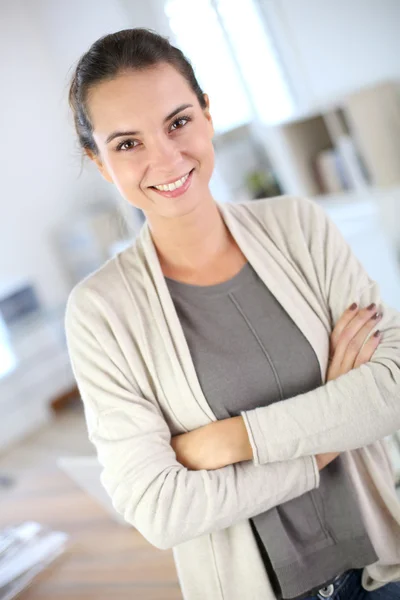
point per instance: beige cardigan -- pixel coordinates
(139, 387)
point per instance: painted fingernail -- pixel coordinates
(376, 316)
(371, 306)
(377, 333)
(353, 306)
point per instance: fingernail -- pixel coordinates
(377, 333)
(353, 306)
(371, 306)
(376, 316)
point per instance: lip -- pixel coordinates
(178, 191)
(173, 180)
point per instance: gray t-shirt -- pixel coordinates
(247, 353)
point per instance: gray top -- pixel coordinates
(248, 352)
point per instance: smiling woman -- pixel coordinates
(236, 402)
(150, 131)
(147, 125)
(145, 122)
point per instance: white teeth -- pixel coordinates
(172, 186)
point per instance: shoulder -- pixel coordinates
(285, 205)
(95, 293)
(280, 214)
(93, 285)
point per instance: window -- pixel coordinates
(234, 60)
(199, 35)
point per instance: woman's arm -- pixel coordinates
(226, 441)
(165, 501)
(357, 408)
(221, 443)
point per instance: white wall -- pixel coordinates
(328, 46)
(149, 14)
(331, 47)
(40, 161)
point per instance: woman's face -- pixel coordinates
(150, 131)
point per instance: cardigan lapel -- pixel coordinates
(175, 371)
(277, 272)
(180, 385)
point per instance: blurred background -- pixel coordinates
(305, 97)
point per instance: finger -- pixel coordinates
(344, 320)
(347, 354)
(352, 329)
(356, 344)
(368, 350)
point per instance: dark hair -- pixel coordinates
(116, 53)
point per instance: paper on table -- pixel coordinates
(26, 550)
(11, 590)
(35, 552)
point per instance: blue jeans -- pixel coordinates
(348, 587)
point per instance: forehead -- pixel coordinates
(135, 97)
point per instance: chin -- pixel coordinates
(178, 207)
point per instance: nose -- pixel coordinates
(164, 155)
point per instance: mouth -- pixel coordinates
(175, 188)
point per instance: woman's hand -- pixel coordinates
(350, 347)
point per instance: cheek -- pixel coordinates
(125, 170)
(126, 175)
(209, 157)
(203, 149)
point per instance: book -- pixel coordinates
(353, 169)
(328, 172)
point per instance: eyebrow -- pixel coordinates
(116, 134)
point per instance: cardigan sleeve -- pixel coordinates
(357, 408)
(165, 501)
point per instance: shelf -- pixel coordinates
(350, 143)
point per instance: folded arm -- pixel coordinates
(226, 442)
(357, 408)
(165, 501)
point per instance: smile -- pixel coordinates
(175, 188)
(169, 187)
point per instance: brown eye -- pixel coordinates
(179, 123)
(127, 145)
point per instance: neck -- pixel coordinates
(192, 242)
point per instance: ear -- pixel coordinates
(207, 113)
(103, 170)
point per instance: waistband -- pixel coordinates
(329, 592)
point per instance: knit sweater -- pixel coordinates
(247, 353)
(139, 387)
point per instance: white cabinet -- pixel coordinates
(41, 372)
(361, 220)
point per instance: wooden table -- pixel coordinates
(103, 561)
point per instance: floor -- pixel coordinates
(103, 559)
(65, 435)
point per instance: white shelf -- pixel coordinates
(41, 373)
(362, 127)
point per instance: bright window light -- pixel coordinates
(202, 40)
(257, 60)
(234, 60)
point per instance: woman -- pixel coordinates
(215, 327)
